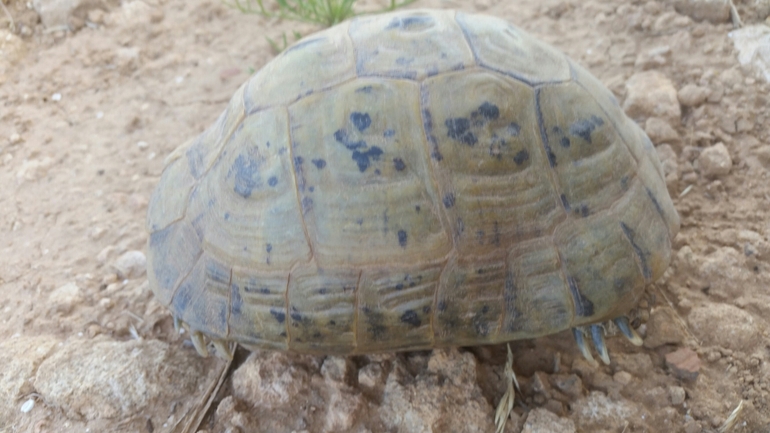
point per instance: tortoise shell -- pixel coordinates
(407, 181)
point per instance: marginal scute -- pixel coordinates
(201, 300)
(328, 54)
(248, 201)
(258, 308)
(360, 193)
(171, 254)
(506, 49)
(409, 44)
(396, 306)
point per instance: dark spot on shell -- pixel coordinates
(489, 111)
(521, 157)
(360, 120)
(459, 129)
(341, 136)
(584, 212)
(426, 309)
(332, 322)
(409, 23)
(564, 142)
(442, 306)
(514, 129)
(365, 89)
(402, 238)
(417, 208)
(322, 291)
(298, 160)
(411, 318)
(311, 188)
(583, 306)
(295, 316)
(264, 290)
(485, 309)
(449, 200)
(400, 286)
(227, 216)
(269, 248)
(272, 181)
(398, 163)
(362, 158)
(377, 171)
(279, 315)
(388, 133)
(564, 202)
(319, 163)
(629, 233)
(307, 204)
(246, 170)
(583, 128)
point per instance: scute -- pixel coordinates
(408, 181)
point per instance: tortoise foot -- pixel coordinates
(596, 331)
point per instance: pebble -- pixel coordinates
(715, 11)
(370, 375)
(651, 94)
(596, 411)
(540, 420)
(684, 364)
(677, 395)
(692, 95)
(663, 328)
(726, 326)
(20, 358)
(28, 405)
(715, 161)
(271, 379)
(569, 384)
(622, 377)
(130, 265)
(109, 379)
(752, 44)
(660, 131)
(65, 298)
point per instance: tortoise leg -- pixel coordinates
(597, 336)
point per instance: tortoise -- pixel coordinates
(405, 181)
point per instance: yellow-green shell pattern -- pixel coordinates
(406, 181)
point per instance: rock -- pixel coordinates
(130, 265)
(445, 398)
(540, 420)
(723, 271)
(715, 161)
(684, 364)
(753, 46)
(677, 395)
(622, 377)
(69, 14)
(670, 165)
(715, 11)
(691, 95)
(596, 411)
(726, 326)
(654, 58)
(651, 94)
(111, 379)
(65, 298)
(638, 364)
(569, 384)
(660, 131)
(370, 375)
(663, 328)
(20, 358)
(270, 379)
(343, 408)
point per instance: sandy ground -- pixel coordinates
(87, 117)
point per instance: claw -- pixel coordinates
(597, 335)
(581, 343)
(200, 343)
(177, 324)
(223, 349)
(627, 331)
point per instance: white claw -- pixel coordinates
(200, 343)
(223, 349)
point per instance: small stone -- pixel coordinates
(763, 156)
(692, 426)
(715, 161)
(660, 131)
(715, 11)
(28, 405)
(65, 298)
(540, 420)
(130, 265)
(20, 358)
(751, 42)
(691, 95)
(15, 138)
(270, 379)
(677, 395)
(726, 326)
(336, 368)
(371, 375)
(663, 328)
(651, 94)
(569, 384)
(622, 377)
(638, 364)
(684, 364)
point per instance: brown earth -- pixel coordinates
(87, 117)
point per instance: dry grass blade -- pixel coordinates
(732, 420)
(11, 23)
(195, 417)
